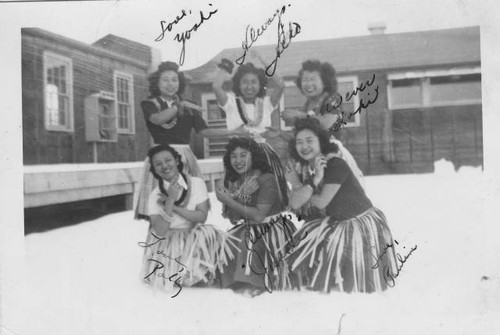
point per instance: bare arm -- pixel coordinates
(220, 77)
(300, 196)
(279, 83)
(199, 215)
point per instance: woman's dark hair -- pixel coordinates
(259, 161)
(249, 68)
(159, 148)
(315, 126)
(154, 91)
(326, 71)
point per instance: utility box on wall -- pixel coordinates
(100, 117)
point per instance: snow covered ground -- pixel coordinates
(84, 279)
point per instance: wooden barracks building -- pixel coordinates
(429, 95)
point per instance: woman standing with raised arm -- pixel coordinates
(248, 109)
(346, 237)
(318, 83)
(251, 202)
(180, 250)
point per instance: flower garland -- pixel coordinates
(259, 112)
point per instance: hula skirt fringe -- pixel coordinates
(148, 182)
(186, 256)
(350, 255)
(261, 256)
(274, 161)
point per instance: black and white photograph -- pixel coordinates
(271, 167)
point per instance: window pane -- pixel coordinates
(214, 111)
(456, 88)
(62, 110)
(406, 92)
(52, 104)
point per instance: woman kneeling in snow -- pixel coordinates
(251, 200)
(180, 250)
(345, 236)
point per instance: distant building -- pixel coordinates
(81, 103)
(429, 95)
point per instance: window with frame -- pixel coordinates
(216, 119)
(58, 92)
(124, 95)
(459, 86)
(348, 85)
(293, 99)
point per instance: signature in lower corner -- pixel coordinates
(389, 274)
(267, 272)
(159, 265)
(172, 278)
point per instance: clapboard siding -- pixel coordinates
(92, 72)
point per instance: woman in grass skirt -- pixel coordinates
(170, 120)
(251, 202)
(180, 250)
(318, 83)
(346, 238)
(248, 111)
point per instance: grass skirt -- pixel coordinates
(261, 256)
(274, 161)
(184, 257)
(148, 182)
(350, 255)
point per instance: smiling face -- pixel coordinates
(168, 83)
(249, 86)
(241, 160)
(312, 84)
(165, 165)
(307, 145)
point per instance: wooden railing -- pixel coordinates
(61, 183)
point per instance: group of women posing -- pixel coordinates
(341, 246)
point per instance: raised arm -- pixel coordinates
(279, 83)
(221, 77)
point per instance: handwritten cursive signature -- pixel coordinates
(284, 39)
(389, 276)
(159, 265)
(291, 243)
(168, 27)
(341, 120)
(185, 35)
(254, 35)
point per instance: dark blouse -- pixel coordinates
(350, 200)
(181, 132)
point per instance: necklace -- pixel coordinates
(258, 114)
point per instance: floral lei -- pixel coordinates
(259, 108)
